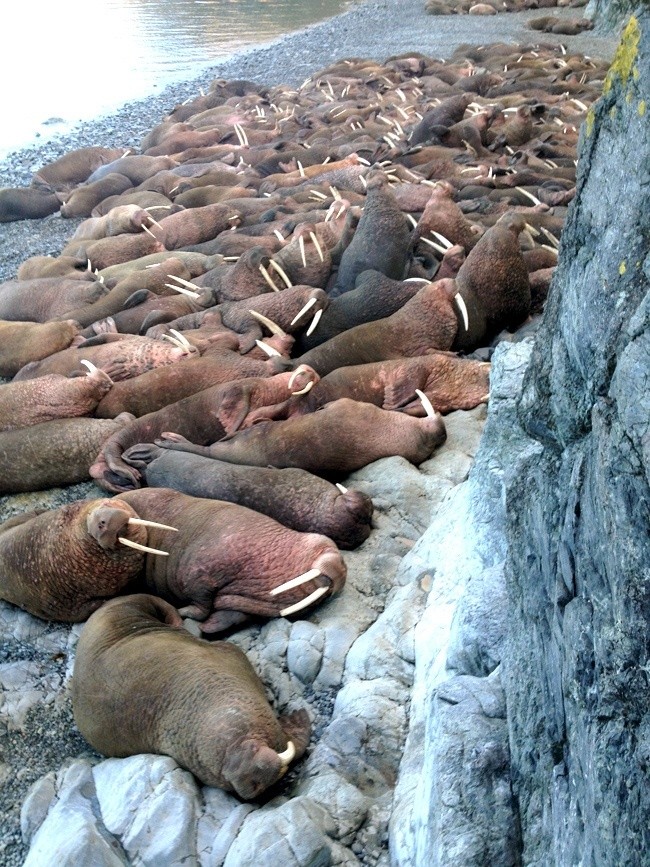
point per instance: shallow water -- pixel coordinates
(72, 60)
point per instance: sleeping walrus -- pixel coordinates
(143, 684)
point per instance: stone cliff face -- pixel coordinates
(575, 668)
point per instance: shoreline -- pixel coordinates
(360, 31)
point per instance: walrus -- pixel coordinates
(142, 684)
(381, 239)
(83, 199)
(75, 167)
(25, 203)
(62, 564)
(226, 562)
(24, 342)
(53, 453)
(44, 298)
(26, 403)
(335, 441)
(295, 498)
(206, 416)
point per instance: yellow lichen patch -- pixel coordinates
(590, 120)
(621, 268)
(623, 64)
(613, 112)
(641, 108)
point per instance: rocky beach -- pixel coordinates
(410, 675)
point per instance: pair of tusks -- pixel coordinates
(192, 291)
(273, 327)
(302, 312)
(241, 135)
(178, 339)
(443, 244)
(336, 204)
(138, 547)
(297, 582)
(293, 376)
(273, 264)
(301, 244)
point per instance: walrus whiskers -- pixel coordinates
(292, 609)
(143, 523)
(138, 547)
(295, 582)
(273, 327)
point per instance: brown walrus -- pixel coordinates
(53, 453)
(24, 342)
(38, 400)
(143, 684)
(61, 564)
(295, 498)
(226, 561)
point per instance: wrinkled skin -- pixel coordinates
(295, 498)
(24, 342)
(62, 564)
(53, 453)
(335, 441)
(426, 323)
(225, 560)
(143, 684)
(26, 403)
(206, 417)
(46, 298)
(449, 382)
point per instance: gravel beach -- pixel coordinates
(373, 30)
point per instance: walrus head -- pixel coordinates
(113, 523)
(253, 766)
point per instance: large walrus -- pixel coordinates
(62, 564)
(226, 562)
(295, 498)
(143, 684)
(337, 440)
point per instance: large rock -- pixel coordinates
(578, 508)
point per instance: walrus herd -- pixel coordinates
(281, 286)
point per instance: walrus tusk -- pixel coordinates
(138, 547)
(241, 135)
(416, 280)
(295, 582)
(551, 237)
(460, 303)
(302, 312)
(412, 220)
(524, 192)
(155, 222)
(89, 266)
(305, 602)
(270, 351)
(302, 368)
(185, 282)
(278, 234)
(426, 403)
(182, 291)
(437, 247)
(91, 367)
(173, 340)
(142, 523)
(288, 755)
(304, 390)
(268, 278)
(270, 324)
(485, 398)
(342, 489)
(314, 322)
(301, 244)
(149, 232)
(283, 274)
(301, 169)
(444, 241)
(181, 337)
(317, 245)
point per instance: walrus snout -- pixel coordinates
(106, 523)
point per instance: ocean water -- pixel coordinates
(67, 61)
